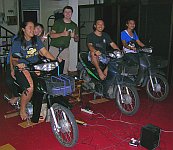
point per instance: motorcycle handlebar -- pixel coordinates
(48, 66)
(145, 49)
(29, 68)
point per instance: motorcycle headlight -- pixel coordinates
(118, 54)
(147, 50)
(46, 66)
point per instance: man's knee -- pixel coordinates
(30, 89)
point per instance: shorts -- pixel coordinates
(102, 58)
(21, 80)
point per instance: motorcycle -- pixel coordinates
(147, 73)
(115, 86)
(52, 89)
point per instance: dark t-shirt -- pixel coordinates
(99, 42)
(30, 52)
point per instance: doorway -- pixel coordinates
(30, 15)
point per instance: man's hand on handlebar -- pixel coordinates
(133, 48)
(97, 53)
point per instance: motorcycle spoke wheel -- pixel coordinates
(67, 134)
(129, 102)
(161, 88)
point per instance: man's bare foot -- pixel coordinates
(101, 74)
(13, 100)
(23, 115)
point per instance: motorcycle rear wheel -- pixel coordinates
(129, 105)
(161, 87)
(67, 135)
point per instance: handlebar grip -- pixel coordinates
(145, 49)
(29, 68)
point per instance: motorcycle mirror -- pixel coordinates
(17, 55)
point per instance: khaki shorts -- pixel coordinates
(64, 54)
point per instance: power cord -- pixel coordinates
(115, 135)
(116, 120)
(168, 131)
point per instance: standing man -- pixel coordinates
(62, 31)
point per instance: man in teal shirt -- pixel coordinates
(62, 32)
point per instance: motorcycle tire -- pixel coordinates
(67, 135)
(163, 85)
(130, 103)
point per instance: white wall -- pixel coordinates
(5, 7)
(86, 2)
(73, 45)
(47, 8)
(89, 2)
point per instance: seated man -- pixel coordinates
(97, 43)
(130, 41)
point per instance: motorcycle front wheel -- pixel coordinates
(161, 88)
(67, 134)
(127, 99)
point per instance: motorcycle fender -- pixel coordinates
(153, 72)
(157, 72)
(62, 101)
(126, 81)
